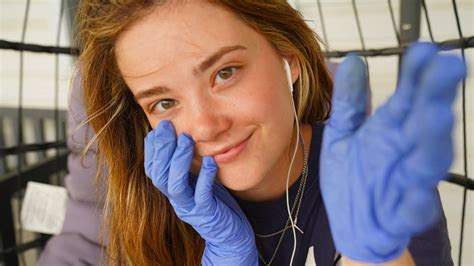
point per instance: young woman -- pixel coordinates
(209, 115)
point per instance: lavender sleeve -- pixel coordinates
(79, 242)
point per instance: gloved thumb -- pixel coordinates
(349, 100)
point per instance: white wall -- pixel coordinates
(342, 35)
(39, 81)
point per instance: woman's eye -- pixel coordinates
(224, 74)
(164, 105)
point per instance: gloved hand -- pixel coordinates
(208, 208)
(378, 174)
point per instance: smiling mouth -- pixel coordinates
(232, 153)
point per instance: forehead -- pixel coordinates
(178, 32)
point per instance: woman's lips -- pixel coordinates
(232, 153)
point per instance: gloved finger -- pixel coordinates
(432, 155)
(438, 83)
(418, 209)
(164, 144)
(425, 164)
(204, 195)
(179, 189)
(429, 126)
(437, 88)
(416, 59)
(349, 101)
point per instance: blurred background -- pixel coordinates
(36, 77)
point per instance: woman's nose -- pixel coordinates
(206, 119)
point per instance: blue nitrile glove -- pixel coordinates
(378, 174)
(208, 208)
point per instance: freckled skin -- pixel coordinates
(163, 48)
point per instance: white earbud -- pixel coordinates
(286, 65)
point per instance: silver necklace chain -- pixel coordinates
(296, 204)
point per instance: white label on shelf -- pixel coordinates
(44, 208)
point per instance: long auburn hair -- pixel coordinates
(142, 226)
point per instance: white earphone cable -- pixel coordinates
(292, 222)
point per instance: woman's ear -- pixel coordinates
(294, 67)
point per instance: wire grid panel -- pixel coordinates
(335, 22)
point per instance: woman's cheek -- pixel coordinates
(152, 120)
(263, 106)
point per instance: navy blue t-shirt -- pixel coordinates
(315, 244)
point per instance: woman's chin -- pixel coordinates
(238, 180)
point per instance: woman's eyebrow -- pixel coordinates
(212, 59)
(153, 91)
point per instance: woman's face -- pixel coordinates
(218, 80)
